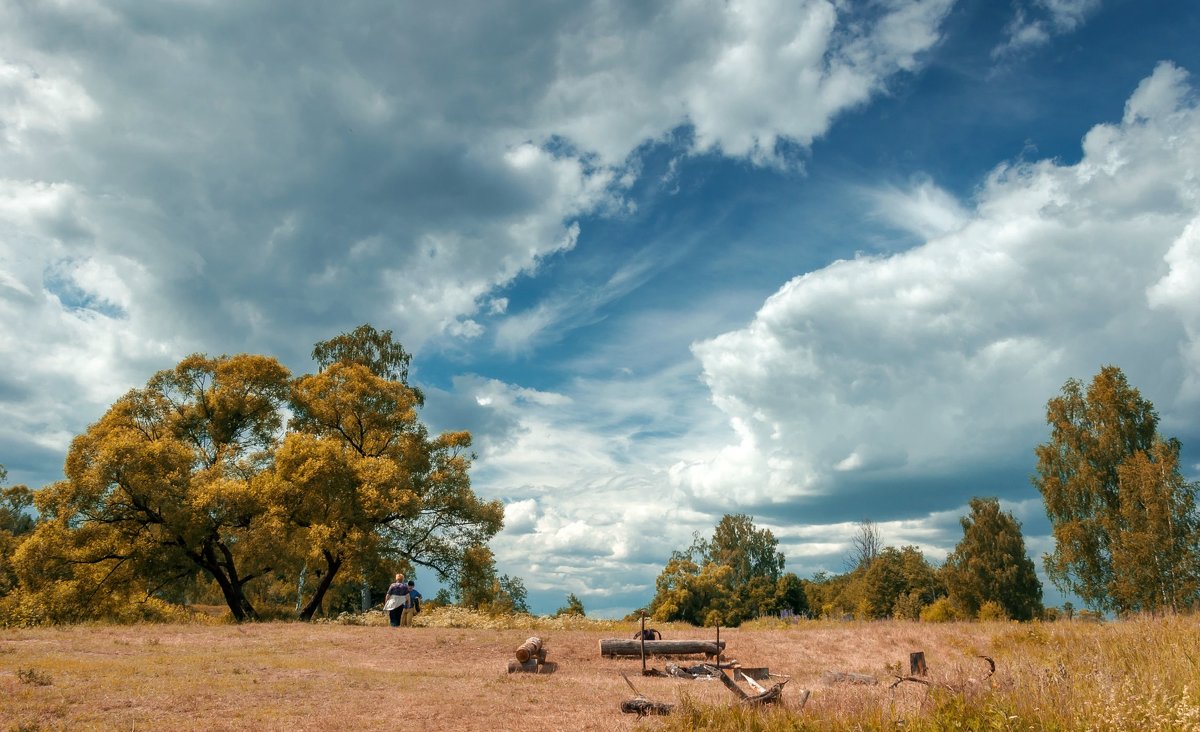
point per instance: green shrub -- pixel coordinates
(992, 610)
(939, 611)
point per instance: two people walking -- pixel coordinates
(402, 602)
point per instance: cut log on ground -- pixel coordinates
(531, 648)
(532, 666)
(613, 647)
(841, 677)
(642, 706)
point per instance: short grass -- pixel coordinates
(449, 673)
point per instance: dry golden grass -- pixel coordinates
(292, 676)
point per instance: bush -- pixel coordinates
(940, 611)
(908, 606)
(992, 610)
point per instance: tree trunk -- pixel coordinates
(332, 565)
(225, 577)
(623, 647)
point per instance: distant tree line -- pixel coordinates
(1127, 538)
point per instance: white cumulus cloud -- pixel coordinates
(941, 357)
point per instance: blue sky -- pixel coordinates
(812, 261)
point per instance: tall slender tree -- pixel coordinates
(1156, 551)
(1106, 477)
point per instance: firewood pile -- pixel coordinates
(531, 658)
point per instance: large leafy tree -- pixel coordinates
(747, 550)
(734, 575)
(1114, 496)
(15, 524)
(165, 484)
(360, 481)
(194, 476)
(894, 578)
(990, 564)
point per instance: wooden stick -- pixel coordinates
(737, 690)
(754, 684)
(642, 635)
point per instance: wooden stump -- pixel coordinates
(525, 667)
(916, 664)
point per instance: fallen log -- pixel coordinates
(737, 690)
(842, 677)
(764, 696)
(532, 666)
(956, 687)
(613, 647)
(529, 649)
(642, 706)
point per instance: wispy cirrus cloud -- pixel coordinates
(1035, 22)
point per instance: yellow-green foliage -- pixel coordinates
(453, 616)
(992, 610)
(63, 603)
(939, 611)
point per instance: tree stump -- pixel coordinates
(916, 664)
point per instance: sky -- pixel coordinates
(814, 261)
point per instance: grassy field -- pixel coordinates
(1136, 674)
